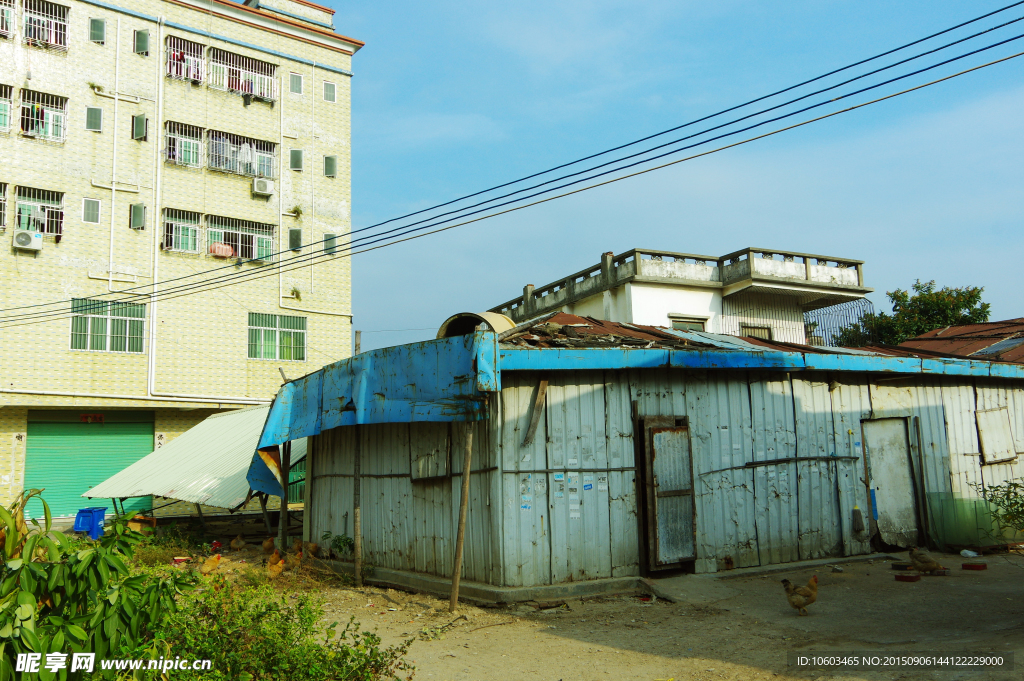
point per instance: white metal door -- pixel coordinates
(892, 484)
(673, 495)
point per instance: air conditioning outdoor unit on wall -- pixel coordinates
(262, 186)
(28, 241)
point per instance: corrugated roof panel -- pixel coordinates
(205, 465)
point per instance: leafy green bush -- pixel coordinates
(253, 632)
(337, 545)
(56, 595)
(1007, 502)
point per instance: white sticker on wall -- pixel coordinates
(559, 477)
(574, 515)
(559, 490)
(527, 500)
(602, 483)
(574, 461)
(540, 486)
(588, 482)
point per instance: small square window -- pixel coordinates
(98, 30)
(91, 211)
(330, 243)
(687, 325)
(295, 159)
(137, 216)
(762, 332)
(140, 127)
(142, 43)
(331, 166)
(330, 92)
(296, 83)
(94, 118)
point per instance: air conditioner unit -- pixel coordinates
(28, 241)
(262, 186)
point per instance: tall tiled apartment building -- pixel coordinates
(153, 145)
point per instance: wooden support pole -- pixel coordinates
(282, 517)
(357, 529)
(537, 413)
(460, 537)
(202, 520)
(266, 516)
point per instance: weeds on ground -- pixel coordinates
(252, 633)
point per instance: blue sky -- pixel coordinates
(452, 97)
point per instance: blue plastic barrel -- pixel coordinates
(91, 520)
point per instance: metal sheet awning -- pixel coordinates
(205, 465)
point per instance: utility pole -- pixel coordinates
(359, 342)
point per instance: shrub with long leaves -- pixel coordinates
(59, 597)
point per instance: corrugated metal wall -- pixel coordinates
(778, 468)
(407, 525)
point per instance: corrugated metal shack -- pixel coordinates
(603, 451)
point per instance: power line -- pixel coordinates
(623, 146)
(617, 179)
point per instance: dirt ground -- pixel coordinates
(735, 627)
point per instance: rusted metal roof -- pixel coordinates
(991, 341)
(562, 330)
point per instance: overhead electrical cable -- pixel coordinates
(275, 271)
(633, 143)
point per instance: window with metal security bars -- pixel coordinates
(39, 210)
(5, 107)
(185, 59)
(3, 205)
(277, 336)
(244, 75)
(107, 327)
(184, 145)
(6, 18)
(240, 155)
(233, 238)
(44, 116)
(46, 24)
(181, 231)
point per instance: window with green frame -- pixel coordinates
(107, 327)
(277, 336)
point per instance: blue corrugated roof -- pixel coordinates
(447, 379)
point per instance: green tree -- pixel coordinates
(915, 313)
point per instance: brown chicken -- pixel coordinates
(923, 562)
(274, 558)
(292, 563)
(296, 546)
(268, 545)
(312, 548)
(801, 596)
(275, 569)
(210, 565)
(237, 544)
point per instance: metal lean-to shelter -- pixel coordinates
(605, 451)
(205, 465)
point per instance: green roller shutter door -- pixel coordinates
(69, 458)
